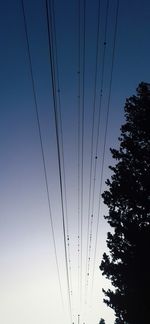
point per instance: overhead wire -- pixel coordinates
(97, 141)
(82, 145)
(51, 57)
(42, 148)
(61, 144)
(105, 138)
(60, 148)
(92, 137)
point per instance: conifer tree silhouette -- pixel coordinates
(128, 201)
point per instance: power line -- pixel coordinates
(105, 136)
(82, 142)
(96, 152)
(62, 144)
(92, 137)
(41, 145)
(51, 57)
(97, 138)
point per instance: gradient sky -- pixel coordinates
(29, 291)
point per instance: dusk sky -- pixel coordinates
(30, 290)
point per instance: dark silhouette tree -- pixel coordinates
(102, 321)
(128, 201)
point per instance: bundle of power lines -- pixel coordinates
(83, 276)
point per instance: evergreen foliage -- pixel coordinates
(128, 201)
(102, 321)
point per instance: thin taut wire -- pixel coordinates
(41, 145)
(105, 138)
(51, 57)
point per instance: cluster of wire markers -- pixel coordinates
(83, 276)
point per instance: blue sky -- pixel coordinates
(29, 282)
